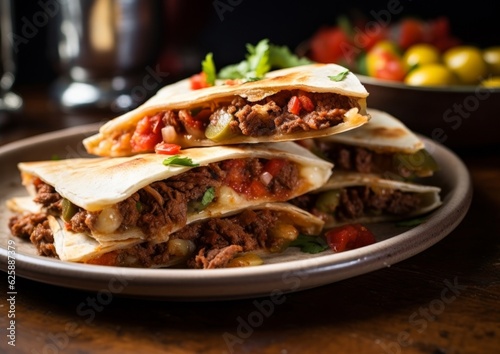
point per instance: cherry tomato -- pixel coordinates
(167, 149)
(348, 237)
(411, 31)
(421, 54)
(384, 61)
(439, 35)
(467, 63)
(493, 81)
(328, 45)
(491, 56)
(433, 74)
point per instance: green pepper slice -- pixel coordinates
(219, 128)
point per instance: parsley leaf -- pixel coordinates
(182, 161)
(208, 67)
(258, 59)
(340, 76)
(310, 244)
(256, 64)
(282, 57)
(208, 196)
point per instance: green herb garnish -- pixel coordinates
(310, 244)
(411, 222)
(182, 161)
(138, 206)
(208, 197)
(260, 59)
(340, 76)
(282, 57)
(208, 67)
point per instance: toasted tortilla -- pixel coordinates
(384, 133)
(393, 148)
(428, 198)
(113, 138)
(97, 184)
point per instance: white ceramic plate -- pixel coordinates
(287, 272)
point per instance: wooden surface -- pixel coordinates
(443, 300)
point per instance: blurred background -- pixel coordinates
(188, 29)
(112, 55)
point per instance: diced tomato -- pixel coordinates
(191, 122)
(256, 189)
(294, 105)
(348, 237)
(235, 176)
(199, 81)
(147, 134)
(274, 166)
(167, 149)
(306, 103)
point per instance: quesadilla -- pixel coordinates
(124, 201)
(234, 238)
(288, 104)
(351, 197)
(383, 146)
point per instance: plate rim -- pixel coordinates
(184, 284)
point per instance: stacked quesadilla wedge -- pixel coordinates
(379, 174)
(132, 206)
(384, 146)
(288, 104)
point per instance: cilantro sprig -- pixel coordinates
(310, 244)
(208, 196)
(208, 67)
(259, 60)
(340, 76)
(180, 161)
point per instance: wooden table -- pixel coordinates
(443, 300)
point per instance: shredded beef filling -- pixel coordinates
(34, 227)
(359, 159)
(355, 202)
(217, 241)
(270, 116)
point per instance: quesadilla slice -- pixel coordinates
(350, 197)
(287, 104)
(147, 197)
(231, 239)
(384, 146)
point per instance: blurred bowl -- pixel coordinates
(458, 116)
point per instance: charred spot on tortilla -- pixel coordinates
(388, 132)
